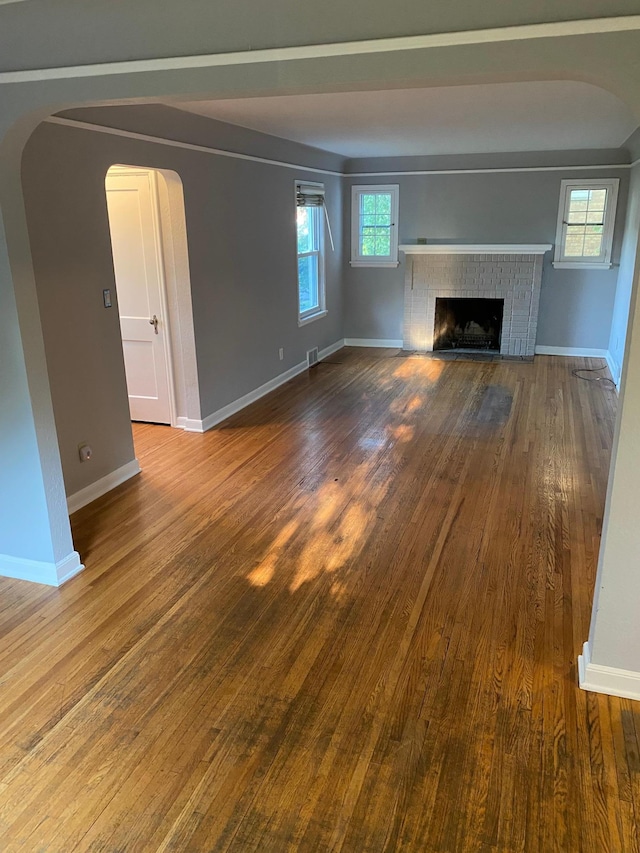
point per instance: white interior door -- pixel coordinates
(131, 202)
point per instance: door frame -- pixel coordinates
(172, 257)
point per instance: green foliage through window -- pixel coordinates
(375, 224)
(309, 275)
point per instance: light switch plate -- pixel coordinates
(106, 298)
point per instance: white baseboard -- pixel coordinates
(327, 351)
(189, 424)
(607, 679)
(584, 352)
(36, 571)
(102, 486)
(614, 369)
(373, 342)
(242, 402)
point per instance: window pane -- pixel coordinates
(593, 241)
(597, 199)
(577, 209)
(368, 203)
(578, 196)
(383, 245)
(592, 245)
(375, 225)
(367, 245)
(308, 282)
(308, 231)
(586, 206)
(574, 243)
(595, 215)
(305, 229)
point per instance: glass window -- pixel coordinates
(585, 223)
(375, 225)
(310, 243)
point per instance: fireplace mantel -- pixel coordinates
(475, 248)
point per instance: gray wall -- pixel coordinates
(628, 256)
(576, 306)
(241, 232)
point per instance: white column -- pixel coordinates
(610, 662)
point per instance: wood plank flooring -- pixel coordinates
(345, 620)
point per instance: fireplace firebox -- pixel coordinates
(468, 324)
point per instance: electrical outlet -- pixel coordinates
(85, 452)
(281, 353)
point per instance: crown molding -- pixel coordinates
(299, 167)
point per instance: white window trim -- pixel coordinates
(358, 260)
(305, 317)
(564, 262)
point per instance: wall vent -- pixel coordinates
(312, 357)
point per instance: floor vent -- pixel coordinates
(312, 357)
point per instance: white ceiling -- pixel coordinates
(541, 116)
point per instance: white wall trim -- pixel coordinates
(522, 32)
(175, 256)
(190, 425)
(475, 248)
(189, 146)
(584, 352)
(392, 343)
(489, 171)
(614, 369)
(51, 574)
(607, 679)
(327, 351)
(570, 265)
(220, 152)
(95, 490)
(242, 402)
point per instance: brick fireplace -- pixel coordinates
(509, 273)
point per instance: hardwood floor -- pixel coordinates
(346, 620)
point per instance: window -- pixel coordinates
(374, 226)
(585, 224)
(310, 235)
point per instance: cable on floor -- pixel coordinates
(580, 370)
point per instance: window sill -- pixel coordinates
(578, 265)
(375, 263)
(302, 321)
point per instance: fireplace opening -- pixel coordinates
(469, 324)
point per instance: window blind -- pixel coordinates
(309, 195)
(312, 195)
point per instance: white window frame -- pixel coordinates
(320, 310)
(358, 260)
(562, 261)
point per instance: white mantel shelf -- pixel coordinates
(475, 248)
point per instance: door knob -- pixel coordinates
(154, 322)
